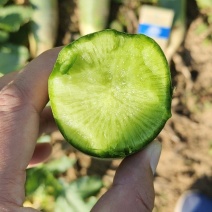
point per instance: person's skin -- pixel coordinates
(23, 96)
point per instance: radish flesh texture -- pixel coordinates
(111, 93)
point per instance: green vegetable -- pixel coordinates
(111, 93)
(93, 15)
(44, 25)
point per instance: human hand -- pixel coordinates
(23, 96)
(132, 188)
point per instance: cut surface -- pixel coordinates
(110, 93)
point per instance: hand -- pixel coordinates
(23, 96)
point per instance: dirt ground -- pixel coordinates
(186, 160)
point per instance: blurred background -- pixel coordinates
(72, 181)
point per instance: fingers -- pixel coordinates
(22, 99)
(41, 153)
(21, 103)
(32, 82)
(7, 79)
(132, 189)
(47, 123)
(28, 87)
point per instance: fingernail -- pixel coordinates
(154, 151)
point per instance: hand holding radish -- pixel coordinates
(23, 96)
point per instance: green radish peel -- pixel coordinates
(111, 93)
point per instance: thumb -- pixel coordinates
(132, 188)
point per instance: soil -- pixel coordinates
(186, 159)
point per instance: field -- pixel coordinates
(186, 159)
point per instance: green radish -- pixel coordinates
(93, 15)
(110, 93)
(44, 26)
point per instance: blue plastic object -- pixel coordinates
(154, 31)
(195, 202)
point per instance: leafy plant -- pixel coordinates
(205, 7)
(12, 57)
(46, 189)
(204, 4)
(12, 17)
(93, 15)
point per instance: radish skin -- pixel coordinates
(44, 26)
(93, 15)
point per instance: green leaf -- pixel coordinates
(42, 200)
(60, 165)
(62, 205)
(39, 176)
(55, 194)
(12, 17)
(202, 4)
(77, 195)
(150, 1)
(3, 2)
(86, 186)
(203, 27)
(72, 201)
(44, 175)
(3, 36)
(13, 57)
(210, 18)
(91, 201)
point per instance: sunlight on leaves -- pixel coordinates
(204, 3)
(12, 17)
(47, 190)
(13, 57)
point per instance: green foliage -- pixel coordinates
(13, 55)
(142, 1)
(86, 186)
(201, 28)
(48, 190)
(3, 2)
(205, 7)
(12, 17)
(60, 166)
(150, 1)
(4, 36)
(77, 195)
(202, 4)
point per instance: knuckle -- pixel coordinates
(11, 98)
(145, 201)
